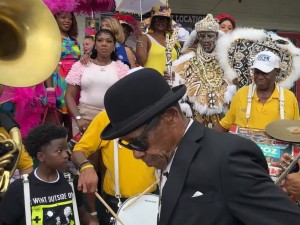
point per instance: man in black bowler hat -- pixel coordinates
(213, 177)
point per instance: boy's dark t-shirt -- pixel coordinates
(51, 203)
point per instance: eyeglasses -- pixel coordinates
(139, 144)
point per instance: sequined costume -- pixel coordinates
(70, 53)
(238, 50)
(209, 91)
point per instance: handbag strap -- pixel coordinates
(47, 108)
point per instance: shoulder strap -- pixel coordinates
(281, 102)
(116, 170)
(249, 101)
(74, 203)
(251, 91)
(27, 199)
(154, 41)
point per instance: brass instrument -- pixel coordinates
(8, 162)
(30, 48)
(30, 42)
(170, 43)
(288, 169)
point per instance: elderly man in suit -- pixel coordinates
(213, 177)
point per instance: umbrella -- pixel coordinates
(88, 7)
(137, 6)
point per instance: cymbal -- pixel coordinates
(285, 130)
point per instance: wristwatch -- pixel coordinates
(78, 117)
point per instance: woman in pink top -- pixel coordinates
(94, 79)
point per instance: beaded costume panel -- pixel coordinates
(208, 90)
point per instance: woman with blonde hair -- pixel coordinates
(124, 53)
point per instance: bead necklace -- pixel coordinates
(102, 67)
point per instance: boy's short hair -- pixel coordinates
(41, 136)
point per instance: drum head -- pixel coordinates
(142, 212)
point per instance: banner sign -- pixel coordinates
(187, 20)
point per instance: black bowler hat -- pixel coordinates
(135, 99)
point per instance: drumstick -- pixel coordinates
(108, 208)
(144, 192)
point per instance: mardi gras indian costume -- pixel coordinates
(238, 50)
(209, 91)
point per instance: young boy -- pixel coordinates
(50, 193)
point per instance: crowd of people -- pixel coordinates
(144, 129)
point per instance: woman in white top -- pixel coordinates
(93, 79)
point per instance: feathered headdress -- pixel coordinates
(87, 7)
(57, 6)
(90, 31)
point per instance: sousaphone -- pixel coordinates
(30, 48)
(30, 44)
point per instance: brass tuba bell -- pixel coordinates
(30, 48)
(30, 43)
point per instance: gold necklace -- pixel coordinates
(102, 67)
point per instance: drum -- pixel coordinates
(143, 211)
(272, 148)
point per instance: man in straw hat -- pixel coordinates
(208, 177)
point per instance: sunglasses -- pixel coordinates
(139, 144)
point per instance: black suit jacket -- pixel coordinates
(232, 174)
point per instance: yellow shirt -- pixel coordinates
(134, 175)
(157, 56)
(25, 161)
(261, 114)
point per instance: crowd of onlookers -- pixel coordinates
(73, 96)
